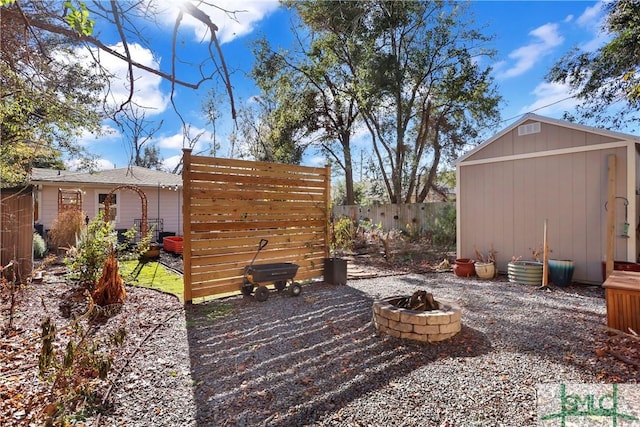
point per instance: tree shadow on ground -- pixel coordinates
(288, 361)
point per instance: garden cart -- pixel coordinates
(277, 273)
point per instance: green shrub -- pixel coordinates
(443, 227)
(85, 262)
(39, 246)
(344, 233)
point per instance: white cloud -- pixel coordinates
(593, 19)
(170, 163)
(98, 164)
(171, 144)
(551, 99)
(107, 134)
(147, 94)
(525, 57)
(591, 16)
(315, 161)
(233, 18)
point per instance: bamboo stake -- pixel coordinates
(611, 212)
(545, 257)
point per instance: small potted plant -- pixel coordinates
(485, 266)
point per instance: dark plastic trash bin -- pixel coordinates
(335, 271)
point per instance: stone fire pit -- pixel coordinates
(419, 325)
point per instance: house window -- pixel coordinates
(113, 205)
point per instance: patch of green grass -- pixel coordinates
(153, 275)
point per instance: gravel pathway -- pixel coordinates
(316, 360)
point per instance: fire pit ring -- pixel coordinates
(425, 326)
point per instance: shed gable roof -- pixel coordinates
(132, 175)
(548, 120)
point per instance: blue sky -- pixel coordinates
(530, 36)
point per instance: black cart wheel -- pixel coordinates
(295, 289)
(262, 293)
(247, 289)
(280, 285)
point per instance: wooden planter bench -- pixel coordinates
(622, 291)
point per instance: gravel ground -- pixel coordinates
(316, 359)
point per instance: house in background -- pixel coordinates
(58, 190)
(541, 169)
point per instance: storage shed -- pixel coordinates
(541, 169)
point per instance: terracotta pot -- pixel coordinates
(463, 267)
(152, 252)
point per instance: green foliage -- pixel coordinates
(339, 194)
(78, 18)
(609, 75)
(39, 246)
(48, 100)
(130, 249)
(284, 114)
(414, 72)
(87, 260)
(344, 232)
(442, 228)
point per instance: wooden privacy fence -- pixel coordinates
(229, 205)
(16, 230)
(414, 216)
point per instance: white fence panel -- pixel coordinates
(407, 217)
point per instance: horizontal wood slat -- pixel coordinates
(230, 205)
(233, 166)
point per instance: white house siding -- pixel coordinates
(506, 192)
(128, 202)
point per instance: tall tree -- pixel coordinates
(137, 132)
(609, 76)
(29, 25)
(46, 100)
(268, 133)
(128, 19)
(286, 108)
(322, 89)
(414, 70)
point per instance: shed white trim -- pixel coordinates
(548, 120)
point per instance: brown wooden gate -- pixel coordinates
(229, 205)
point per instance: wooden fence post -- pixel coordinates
(327, 171)
(186, 223)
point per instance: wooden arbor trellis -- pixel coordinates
(143, 198)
